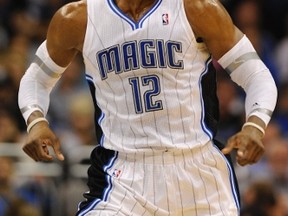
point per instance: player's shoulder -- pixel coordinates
(68, 25)
(73, 12)
(69, 17)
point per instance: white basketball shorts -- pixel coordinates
(196, 182)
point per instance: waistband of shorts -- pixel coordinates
(166, 156)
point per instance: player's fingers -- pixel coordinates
(30, 153)
(35, 152)
(253, 152)
(256, 155)
(43, 151)
(45, 148)
(242, 161)
(227, 149)
(245, 156)
(231, 144)
(240, 153)
(56, 148)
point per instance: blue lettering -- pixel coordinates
(161, 54)
(173, 47)
(146, 53)
(147, 57)
(130, 56)
(108, 61)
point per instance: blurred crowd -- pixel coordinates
(55, 188)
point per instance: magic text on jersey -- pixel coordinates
(132, 55)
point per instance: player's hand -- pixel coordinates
(248, 145)
(38, 140)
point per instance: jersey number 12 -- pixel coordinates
(147, 96)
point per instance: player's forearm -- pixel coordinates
(247, 70)
(32, 97)
(37, 83)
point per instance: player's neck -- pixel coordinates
(136, 8)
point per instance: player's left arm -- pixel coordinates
(235, 53)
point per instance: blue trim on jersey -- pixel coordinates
(232, 181)
(90, 81)
(203, 125)
(107, 191)
(132, 23)
(99, 122)
(88, 77)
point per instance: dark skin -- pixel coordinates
(65, 39)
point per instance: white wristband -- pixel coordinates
(254, 125)
(35, 121)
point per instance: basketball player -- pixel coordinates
(149, 67)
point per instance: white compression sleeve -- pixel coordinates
(37, 83)
(247, 70)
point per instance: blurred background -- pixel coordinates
(45, 189)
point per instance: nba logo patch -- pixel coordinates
(116, 173)
(165, 19)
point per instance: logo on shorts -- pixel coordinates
(165, 19)
(116, 173)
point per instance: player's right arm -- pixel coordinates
(65, 38)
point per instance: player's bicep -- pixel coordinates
(212, 23)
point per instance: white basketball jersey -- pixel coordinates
(146, 77)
